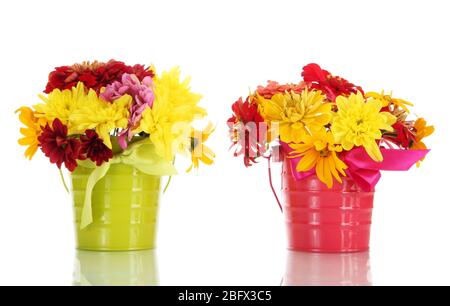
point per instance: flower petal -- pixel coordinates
(308, 161)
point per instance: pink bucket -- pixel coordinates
(320, 219)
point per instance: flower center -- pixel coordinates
(324, 153)
(293, 115)
(61, 141)
(194, 143)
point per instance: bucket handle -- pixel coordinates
(269, 166)
(169, 180)
(61, 174)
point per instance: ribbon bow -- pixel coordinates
(363, 169)
(140, 155)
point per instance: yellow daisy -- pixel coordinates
(422, 131)
(31, 132)
(199, 151)
(388, 100)
(319, 150)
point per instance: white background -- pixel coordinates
(222, 225)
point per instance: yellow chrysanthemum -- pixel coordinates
(81, 110)
(60, 104)
(296, 115)
(31, 132)
(174, 108)
(388, 100)
(199, 151)
(319, 151)
(360, 123)
(94, 113)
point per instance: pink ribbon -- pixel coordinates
(363, 169)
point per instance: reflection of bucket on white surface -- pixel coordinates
(135, 268)
(318, 269)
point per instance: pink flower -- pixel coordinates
(272, 88)
(143, 97)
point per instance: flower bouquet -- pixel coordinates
(333, 139)
(117, 129)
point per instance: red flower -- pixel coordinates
(332, 86)
(403, 135)
(58, 147)
(93, 75)
(272, 88)
(93, 148)
(248, 131)
(62, 78)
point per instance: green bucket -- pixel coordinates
(124, 207)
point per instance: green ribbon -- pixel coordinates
(140, 155)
